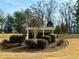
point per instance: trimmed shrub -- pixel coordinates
(52, 38)
(41, 44)
(3, 43)
(31, 44)
(17, 39)
(6, 44)
(39, 35)
(48, 38)
(10, 45)
(59, 42)
(31, 35)
(47, 33)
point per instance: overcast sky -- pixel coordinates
(9, 6)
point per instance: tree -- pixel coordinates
(29, 16)
(20, 19)
(2, 20)
(60, 29)
(44, 10)
(66, 12)
(34, 23)
(9, 25)
(77, 14)
(39, 12)
(57, 29)
(50, 10)
(49, 24)
(63, 28)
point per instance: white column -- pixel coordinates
(43, 32)
(34, 33)
(52, 31)
(27, 34)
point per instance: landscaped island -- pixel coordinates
(36, 39)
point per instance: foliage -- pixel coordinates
(19, 17)
(48, 38)
(6, 44)
(66, 13)
(9, 24)
(28, 16)
(60, 29)
(38, 11)
(30, 44)
(52, 38)
(59, 42)
(44, 11)
(41, 44)
(42, 14)
(39, 35)
(57, 29)
(2, 19)
(31, 17)
(50, 10)
(17, 39)
(49, 24)
(77, 15)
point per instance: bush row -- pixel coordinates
(17, 40)
(14, 40)
(6, 44)
(49, 38)
(38, 44)
(59, 42)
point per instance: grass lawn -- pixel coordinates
(70, 52)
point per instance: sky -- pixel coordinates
(9, 6)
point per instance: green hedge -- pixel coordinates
(41, 44)
(30, 44)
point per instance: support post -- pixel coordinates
(43, 32)
(27, 34)
(52, 30)
(34, 33)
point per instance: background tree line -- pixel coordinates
(42, 14)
